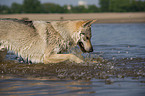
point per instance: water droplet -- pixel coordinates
(111, 67)
(113, 58)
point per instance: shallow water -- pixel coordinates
(120, 70)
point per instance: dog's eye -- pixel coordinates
(87, 37)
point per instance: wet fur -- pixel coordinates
(40, 41)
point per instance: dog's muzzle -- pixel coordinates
(82, 47)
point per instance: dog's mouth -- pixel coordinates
(81, 45)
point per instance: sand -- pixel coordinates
(101, 17)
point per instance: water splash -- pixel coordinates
(101, 69)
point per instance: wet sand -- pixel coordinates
(101, 17)
(71, 71)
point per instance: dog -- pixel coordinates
(44, 42)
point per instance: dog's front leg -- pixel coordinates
(3, 53)
(57, 58)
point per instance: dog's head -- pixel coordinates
(84, 41)
(78, 30)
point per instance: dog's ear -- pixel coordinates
(84, 23)
(88, 22)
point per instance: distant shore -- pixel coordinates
(100, 17)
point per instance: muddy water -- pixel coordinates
(119, 50)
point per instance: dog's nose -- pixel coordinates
(91, 49)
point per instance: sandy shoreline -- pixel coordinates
(101, 17)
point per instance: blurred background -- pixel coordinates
(105, 11)
(70, 6)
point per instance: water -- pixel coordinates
(120, 70)
(119, 40)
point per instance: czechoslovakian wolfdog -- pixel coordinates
(44, 42)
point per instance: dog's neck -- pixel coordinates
(66, 30)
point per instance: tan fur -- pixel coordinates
(43, 42)
(79, 24)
